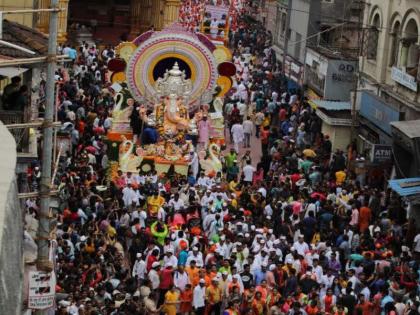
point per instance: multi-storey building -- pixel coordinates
(388, 85)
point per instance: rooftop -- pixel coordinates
(25, 37)
(405, 187)
(411, 128)
(335, 53)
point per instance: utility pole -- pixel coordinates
(43, 262)
(286, 37)
(360, 41)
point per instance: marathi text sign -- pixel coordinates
(404, 78)
(41, 290)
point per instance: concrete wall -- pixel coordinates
(339, 135)
(11, 229)
(340, 79)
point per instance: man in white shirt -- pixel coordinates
(199, 297)
(247, 125)
(176, 203)
(154, 275)
(301, 246)
(169, 259)
(237, 135)
(248, 171)
(129, 195)
(141, 215)
(196, 256)
(181, 278)
(139, 268)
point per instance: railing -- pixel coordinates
(21, 135)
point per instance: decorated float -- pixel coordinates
(172, 78)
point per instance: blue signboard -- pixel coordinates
(378, 112)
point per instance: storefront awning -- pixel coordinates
(12, 71)
(330, 105)
(411, 128)
(405, 187)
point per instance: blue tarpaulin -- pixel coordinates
(405, 187)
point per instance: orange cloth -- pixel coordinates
(186, 298)
(194, 276)
(365, 215)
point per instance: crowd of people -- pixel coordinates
(193, 16)
(295, 232)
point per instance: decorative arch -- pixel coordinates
(412, 13)
(410, 38)
(396, 17)
(375, 25)
(376, 11)
(395, 27)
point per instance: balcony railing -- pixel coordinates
(21, 135)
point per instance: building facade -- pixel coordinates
(27, 19)
(388, 84)
(115, 20)
(312, 24)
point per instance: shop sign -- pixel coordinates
(294, 71)
(378, 112)
(404, 79)
(345, 73)
(381, 153)
(41, 290)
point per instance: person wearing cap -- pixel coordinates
(199, 298)
(154, 276)
(139, 268)
(213, 297)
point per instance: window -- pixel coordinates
(395, 39)
(410, 49)
(373, 38)
(283, 23)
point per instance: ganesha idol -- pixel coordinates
(171, 114)
(170, 118)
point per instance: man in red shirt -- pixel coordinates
(282, 114)
(166, 282)
(265, 134)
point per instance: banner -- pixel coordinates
(41, 290)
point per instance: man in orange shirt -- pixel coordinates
(213, 297)
(193, 273)
(365, 215)
(364, 307)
